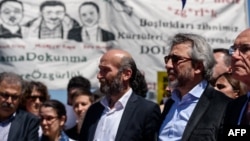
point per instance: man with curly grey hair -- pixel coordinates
(195, 109)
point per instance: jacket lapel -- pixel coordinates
(128, 112)
(199, 110)
(95, 118)
(166, 109)
(13, 127)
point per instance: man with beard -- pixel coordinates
(15, 124)
(195, 110)
(121, 115)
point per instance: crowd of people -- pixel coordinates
(208, 94)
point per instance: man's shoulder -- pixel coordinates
(215, 94)
(21, 114)
(144, 102)
(240, 101)
(96, 106)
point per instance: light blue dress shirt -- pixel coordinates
(176, 120)
(5, 128)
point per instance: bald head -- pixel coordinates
(117, 53)
(243, 37)
(115, 56)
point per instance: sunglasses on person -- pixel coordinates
(243, 48)
(6, 96)
(34, 98)
(175, 58)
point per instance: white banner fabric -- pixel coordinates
(53, 44)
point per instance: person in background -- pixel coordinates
(195, 110)
(229, 86)
(238, 110)
(223, 62)
(81, 100)
(52, 119)
(15, 124)
(74, 83)
(34, 94)
(121, 114)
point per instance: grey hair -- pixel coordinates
(201, 51)
(11, 78)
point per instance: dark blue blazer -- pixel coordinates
(234, 110)
(139, 121)
(206, 120)
(24, 127)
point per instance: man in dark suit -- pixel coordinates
(15, 125)
(90, 31)
(238, 111)
(122, 114)
(195, 110)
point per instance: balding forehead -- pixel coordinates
(245, 32)
(114, 57)
(117, 53)
(243, 37)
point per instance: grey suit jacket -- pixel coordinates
(206, 120)
(24, 127)
(139, 121)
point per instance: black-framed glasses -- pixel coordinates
(175, 58)
(6, 96)
(34, 98)
(48, 119)
(243, 48)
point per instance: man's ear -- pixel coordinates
(127, 74)
(198, 67)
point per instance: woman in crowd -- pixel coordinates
(34, 94)
(81, 100)
(229, 86)
(53, 117)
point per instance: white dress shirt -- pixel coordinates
(109, 122)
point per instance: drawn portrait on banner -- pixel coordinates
(53, 23)
(11, 14)
(90, 31)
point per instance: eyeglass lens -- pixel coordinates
(6, 96)
(41, 98)
(243, 48)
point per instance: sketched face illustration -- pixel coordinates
(89, 15)
(53, 14)
(11, 13)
